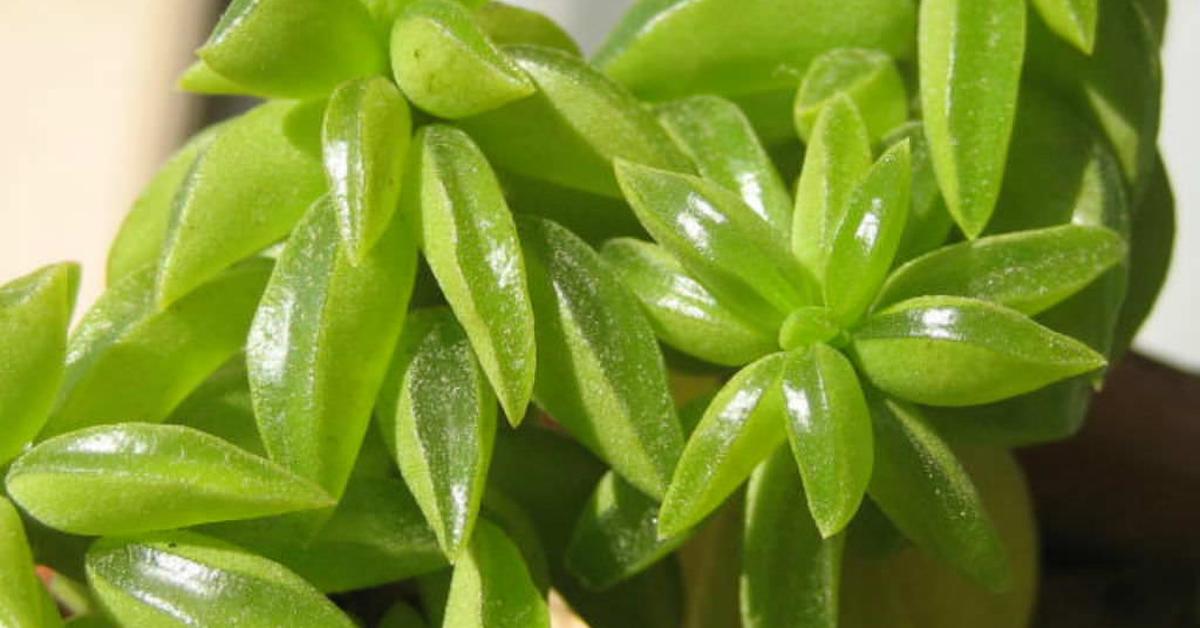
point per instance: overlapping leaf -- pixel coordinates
(21, 595)
(491, 586)
(507, 25)
(867, 77)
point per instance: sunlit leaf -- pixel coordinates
(507, 24)
(20, 592)
(491, 586)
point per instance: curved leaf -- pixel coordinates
(470, 242)
(1150, 250)
(929, 223)
(20, 592)
(867, 77)
(167, 476)
(507, 24)
(491, 586)
(968, 121)
(1073, 20)
(951, 351)
(402, 615)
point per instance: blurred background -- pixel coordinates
(90, 109)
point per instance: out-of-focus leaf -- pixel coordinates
(491, 586)
(178, 579)
(968, 121)
(929, 222)
(321, 340)
(1150, 248)
(20, 592)
(600, 372)
(508, 515)
(1049, 414)
(1073, 20)
(708, 559)
(401, 615)
(867, 77)
(507, 24)
(221, 406)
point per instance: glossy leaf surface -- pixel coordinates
(321, 340)
(867, 77)
(507, 25)
(364, 139)
(743, 424)
(951, 351)
(968, 121)
(806, 326)
(157, 477)
(929, 223)
(600, 373)
(244, 192)
(791, 575)
(829, 428)
(20, 592)
(127, 360)
(184, 579)
(1073, 20)
(446, 65)
(491, 586)
(470, 242)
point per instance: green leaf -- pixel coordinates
(402, 615)
(35, 311)
(790, 574)
(439, 416)
(1028, 271)
(720, 240)
(1150, 249)
(836, 160)
(364, 140)
(129, 361)
(829, 428)
(951, 351)
(718, 138)
(199, 78)
(923, 489)
(929, 223)
(294, 48)
(1049, 414)
(868, 77)
(507, 24)
(178, 579)
(20, 592)
(221, 406)
(866, 240)
(491, 586)
(470, 242)
(682, 311)
(570, 131)
(167, 476)
(968, 121)
(1073, 20)
(600, 373)
(741, 427)
(446, 65)
(806, 326)
(321, 340)
(243, 193)
(510, 516)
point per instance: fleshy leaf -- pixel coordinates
(1028, 271)
(402, 615)
(719, 139)
(866, 240)
(743, 424)
(829, 428)
(446, 65)
(470, 242)
(321, 340)
(491, 586)
(600, 373)
(35, 311)
(1073, 20)
(199, 78)
(968, 121)
(167, 476)
(439, 416)
(683, 312)
(176, 579)
(129, 361)
(953, 351)
(294, 48)
(1151, 247)
(20, 592)
(929, 223)
(791, 575)
(806, 326)
(867, 77)
(243, 193)
(364, 140)
(507, 24)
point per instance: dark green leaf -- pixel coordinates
(507, 24)
(928, 221)
(1073, 20)
(401, 615)
(1150, 249)
(21, 594)
(491, 586)
(221, 406)
(867, 77)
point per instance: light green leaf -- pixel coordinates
(719, 239)
(868, 77)
(221, 406)
(243, 193)
(177, 579)
(510, 516)
(199, 78)
(321, 340)
(923, 489)
(837, 159)
(866, 240)
(791, 575)
(743, 424)
(439, 416)
(158, 476)
(129, 361)
(1028, 271)
(600, 373)
(364, 140)
(683, 312)
(20, 592)
(446, 65)
(968, 121)
(470, 242)
(952, 351)
(572, 129)
(719, 139)
(1073, 20)
(35, 311)
(507, 24)
(829, 428)
(929, 223)
(294, 48)
(806, 326)
(402, 615)
(491, 586)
